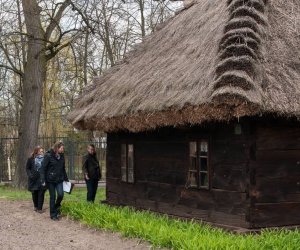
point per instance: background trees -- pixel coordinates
(51, 49)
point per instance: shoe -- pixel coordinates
(35, 209)
(54, 218)
(40, 211)
(58, 210)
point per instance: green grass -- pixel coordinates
(162, 231)
(7, 192)
(78, 194)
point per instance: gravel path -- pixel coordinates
(22, 228)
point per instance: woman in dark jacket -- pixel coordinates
(92, 172)
(35, 185)
(54, 173)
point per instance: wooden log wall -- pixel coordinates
(161, 165)
(275, 170)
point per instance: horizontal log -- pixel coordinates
(285, 184)
(127, 200)
(112, 198)
(280, 169)
(278, 157)
(276, 189)
(229, 152)
(274, 196)
(278, 138)
(146, 204)
(137, 190)
(200, 199)
(228, 219)
(229, 179)
(275, 214)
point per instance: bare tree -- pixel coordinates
(42, 45)
(49, 45)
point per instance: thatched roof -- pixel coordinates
(216, 60)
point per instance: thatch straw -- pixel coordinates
(215, 60)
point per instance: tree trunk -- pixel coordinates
(143, 27)
(34, 77)
(85, 58)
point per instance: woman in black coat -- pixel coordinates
(92, 172)
(35, 185)
(54, 174)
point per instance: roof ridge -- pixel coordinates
(240, 55)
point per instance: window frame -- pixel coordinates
(126, 144)
(197, 170)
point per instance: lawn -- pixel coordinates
(160, 230)
(79, 194)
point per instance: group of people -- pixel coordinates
(47, 171)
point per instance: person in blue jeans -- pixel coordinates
(54, 173)
(92, 172)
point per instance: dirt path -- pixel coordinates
(22, 228)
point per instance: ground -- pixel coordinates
(22, 228)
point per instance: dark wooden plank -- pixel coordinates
(229, 177)
(230, 152)
(280, 169)
(127, 200)
(273, 196)
(280, 137)
(172, 172)
(163, 150)
(288, 184)
(228, 219)
(219, 200)
(276, 189)
(161, 192)
(278, 156)
(146, 204)
(112, 198)
(201, 199)
(234, 203)
(182, 211)
(126, 189)
(275, 214)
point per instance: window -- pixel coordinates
(198, 175)
(127, 163)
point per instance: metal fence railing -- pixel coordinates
(74, 151)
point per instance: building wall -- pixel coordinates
(161, 167)
(275, 174)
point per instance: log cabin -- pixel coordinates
(202, 117)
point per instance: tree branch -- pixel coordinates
(56, 19)
(54, 52)
(12, 66)
(83, 16)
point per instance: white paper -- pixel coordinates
(67, 186)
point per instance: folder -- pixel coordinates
(68, 187)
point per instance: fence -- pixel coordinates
(74, 150)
